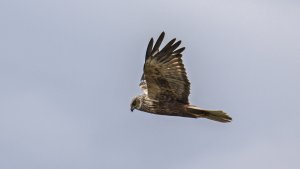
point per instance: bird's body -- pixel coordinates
(166, 87)
(162, 107)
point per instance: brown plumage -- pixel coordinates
(166, 87)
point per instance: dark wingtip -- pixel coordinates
(166, 48)
(158, 42)
(149, 48)
(178, 51)
(174, 46)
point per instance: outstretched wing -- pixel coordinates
(164, 73)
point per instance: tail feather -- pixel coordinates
(216, 115)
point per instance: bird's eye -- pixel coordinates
(133, 103)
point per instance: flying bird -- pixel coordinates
(165, 85)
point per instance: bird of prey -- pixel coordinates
(166, 87)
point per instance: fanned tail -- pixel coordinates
(216, 115)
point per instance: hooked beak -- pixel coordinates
(131, 109)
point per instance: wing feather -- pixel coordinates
(164, 72)
(158, 42)
(178, 51)
(149, 49)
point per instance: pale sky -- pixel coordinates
(69, 70)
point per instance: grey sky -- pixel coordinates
(69, 69)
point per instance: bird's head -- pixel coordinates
(136, 103)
